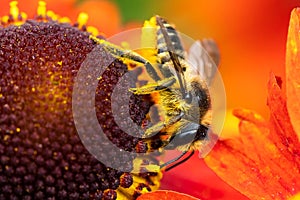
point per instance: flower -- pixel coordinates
(41, 155)
(264, 161)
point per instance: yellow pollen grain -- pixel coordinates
(82, 19)
(153, 168)
(64, 20)
(41, 10)
(6, 137)
(5, 19)
(33, 89)
(60, 63)
(23, 16)
(93, 30)
(14, 10)
(144, 190)
(18, 130)
(52, 15)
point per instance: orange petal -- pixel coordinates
(165, 195)
(253, 163)
(293, 70)
(256, 162)
(282, 132)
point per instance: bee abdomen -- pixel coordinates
(161, 43)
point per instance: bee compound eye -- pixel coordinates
(201, 132)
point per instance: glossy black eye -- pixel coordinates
(201, 132)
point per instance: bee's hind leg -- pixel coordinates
(154, 87)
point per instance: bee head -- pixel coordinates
(187, 135)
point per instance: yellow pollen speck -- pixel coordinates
(6, 137)
(24, 16)
(82, 19)
(153, 168)
(64, 20)
(41, 10)
(94, 31)
(52, 15)
(5, 19)
(60, 63)
(16, 149)
(18, 130)
(144, 190)
(14, 10)
(33, 89)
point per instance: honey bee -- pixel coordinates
(180, 83)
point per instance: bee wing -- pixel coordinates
(205, 57)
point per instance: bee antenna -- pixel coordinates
(177, 158)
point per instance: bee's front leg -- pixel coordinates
(154, 87)
(127, 54)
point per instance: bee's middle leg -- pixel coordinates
(154, 87)
(160, 125)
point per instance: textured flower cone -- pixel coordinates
(264, 161)
(41, 155)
